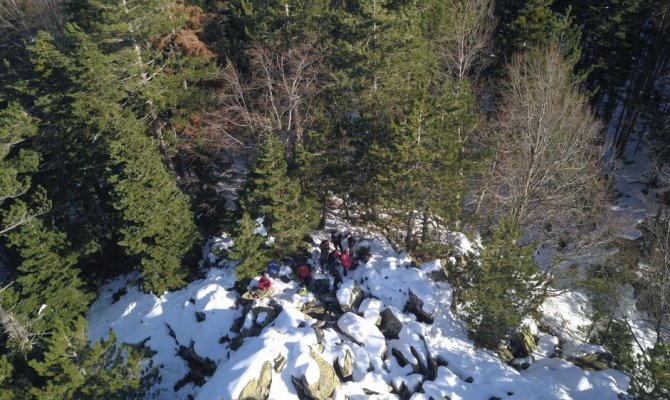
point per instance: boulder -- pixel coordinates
(349, 295)
(200, 316)
(324, 387)
(402, 360)
(365, 333)
(199, 367)
(593, 361)
(345, 365)
(261, 317)
(505, 354)
(523, 343)
(264, 315)
(280, 363)
(414, 305)
(258, 388)
(390, 325)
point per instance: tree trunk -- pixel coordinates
(410, 231)
(15, 330)
(424, 228)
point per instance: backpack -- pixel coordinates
(272, 268)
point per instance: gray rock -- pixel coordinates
(353, 301)
(402, 360)
(199, 367)
(324, 387)
(200, 316)
(593, 361)
(523, 343)
(414, 305)
(345, 366)
(505, 354)
(390, 325)
(258, 388)
(280, 363)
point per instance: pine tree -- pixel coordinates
(503, 289)
(651, 378)
(537, 25)
(158, 226)
(71, 368)
(16, 167)
(120, 192)
(49, 284)
(138, 38)
(74, 88)
(271, 193)
(249, 250)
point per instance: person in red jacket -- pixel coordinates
(303, 273)
(264, 283)
(346, 262)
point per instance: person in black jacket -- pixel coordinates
(336, 237)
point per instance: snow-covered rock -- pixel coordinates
(349, 295)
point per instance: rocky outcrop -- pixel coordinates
(258, 388)
(593, 361)
(324, 386)
(414, 305)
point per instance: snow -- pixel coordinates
(371, 308)
(466, 372)
(366, 333)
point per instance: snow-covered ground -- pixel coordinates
(421, 360)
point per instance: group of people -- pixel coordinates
(329, 259)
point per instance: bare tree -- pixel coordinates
(20, 19)
(654, 295)
(277, 97)
(546, 172)
(467, 42)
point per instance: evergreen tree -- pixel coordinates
(612, 35)
(75, 90)
(275, 23)
(249, 250)
(421, 179)
(651, 378)
(138, 38)
(537, 25)
(274, 195)
(159, 230)
(503, 289)
(73, 369)
(49, 284)
(121, 192)
(16, 166)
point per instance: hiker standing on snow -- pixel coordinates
(325, 249)
(346, 262)
(331, 266)
(336, 237)
(350, 244)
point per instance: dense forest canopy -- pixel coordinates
(122, 120)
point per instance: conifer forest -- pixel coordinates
(133, 132)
